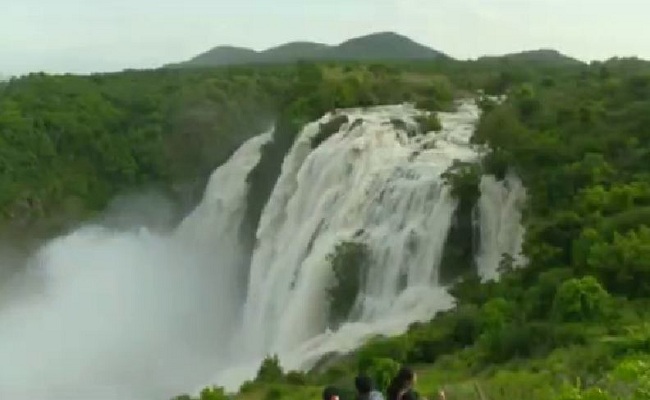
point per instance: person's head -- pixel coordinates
(330, 393)
(363, 383)
(404, 380)
(405, 377)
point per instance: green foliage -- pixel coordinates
(273, 394)
(581, 299)
(78, 140)
(349, 262)
(209, 393)
(270, 371)
(382, 370)
(624, 262)
(214, 393)
(396, 349)
(296, 378)
(429, 122)
(464, 179)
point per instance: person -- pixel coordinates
(365, 389)
(330, 393)
(401, 386)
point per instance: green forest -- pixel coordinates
(572, 325)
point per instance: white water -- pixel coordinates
(371, 183)
(115, 315)
(501, 231)
(119, 315)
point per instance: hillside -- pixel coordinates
(384, 46)
(224, 55)
(541, 57)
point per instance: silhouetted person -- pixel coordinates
(401, 387)
(330, 393)
(365, 389)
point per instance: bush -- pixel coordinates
(464, 179)
(273, 394)
(270, 371)
(429, 123)
(213, 393)
(381, 371)
(247, 387)
(396, 348)
(349, 262)
(581, 299)
(296, 378)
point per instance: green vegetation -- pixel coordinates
(429, 123)
(458, 255)
(573, 324)
(349, 261)
(70, 143)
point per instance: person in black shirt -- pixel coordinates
(401, 387)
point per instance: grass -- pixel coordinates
(463, 376)
(503, 386)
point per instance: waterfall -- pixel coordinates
(377, 181)
(134, 315)
(104, 314)
(501, 231)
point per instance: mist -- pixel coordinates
(117, 309)
(132, 306)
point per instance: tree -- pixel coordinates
(624, 262)
(349, 262)
(270, 371)
(580, 299)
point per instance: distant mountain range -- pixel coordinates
(383, 46)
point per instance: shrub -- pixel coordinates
(429, 123)
(464, 179)
(382, 370)
(273, 394)
(213, 393)
(270, 371)
(349, 261)
(581, 299)
(296, 378)
(396, 348)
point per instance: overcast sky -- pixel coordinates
(108, 35)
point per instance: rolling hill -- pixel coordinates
(384, 46)
(540, 57)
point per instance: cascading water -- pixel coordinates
(501, 231)
(131, 315)
(378, 181)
